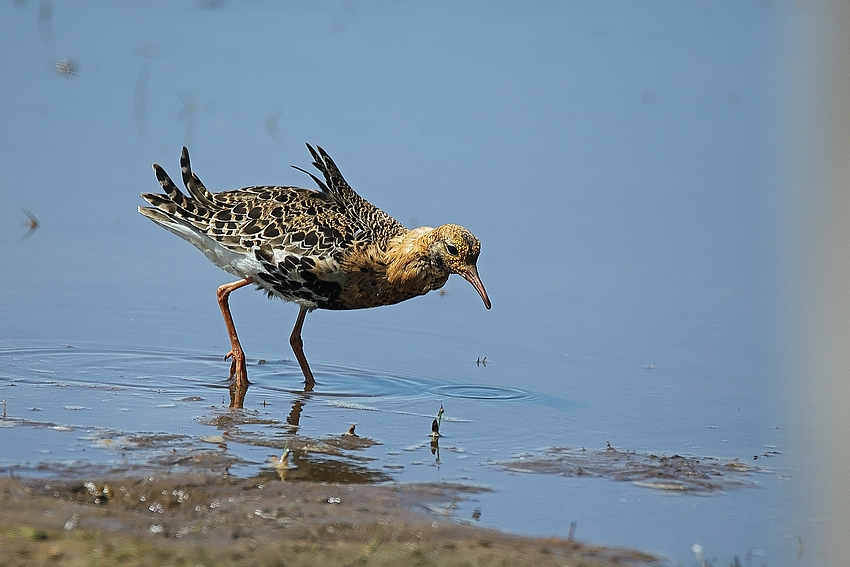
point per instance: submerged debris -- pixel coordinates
(661, 472)
(435, 429)
(66, 67)
(435, 425)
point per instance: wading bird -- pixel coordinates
(322, 249)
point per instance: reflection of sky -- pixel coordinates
(618, 162)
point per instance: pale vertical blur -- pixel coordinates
(820, 179)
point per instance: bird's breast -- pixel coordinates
(371, 279)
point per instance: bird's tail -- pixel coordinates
(175, 209)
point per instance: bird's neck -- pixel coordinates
(411, 263)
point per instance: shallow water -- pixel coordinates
(618, 164)
(74, 409)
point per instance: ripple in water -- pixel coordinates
(124, 367)
(479, 392)
(184, 370)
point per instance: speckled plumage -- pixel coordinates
(326, 249)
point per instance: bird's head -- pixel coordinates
(458, 249)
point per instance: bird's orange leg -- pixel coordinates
(298, 349)
(238, 371)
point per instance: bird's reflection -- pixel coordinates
(300, 458)
(294, 416)
(298, 464)
(237, 394)
(238, 389)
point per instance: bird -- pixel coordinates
(31, 223)
(323, 248)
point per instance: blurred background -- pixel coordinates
(637, 174)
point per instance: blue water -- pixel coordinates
(619, 163)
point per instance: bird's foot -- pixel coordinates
(238, 368)
(238, 378)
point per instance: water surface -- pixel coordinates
(618, 163)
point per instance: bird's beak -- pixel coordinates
(471, 275)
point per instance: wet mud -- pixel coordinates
(209, 518)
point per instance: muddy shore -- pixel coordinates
(216, 519)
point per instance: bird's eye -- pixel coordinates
(451, 249)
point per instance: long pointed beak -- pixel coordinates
(471, 275)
